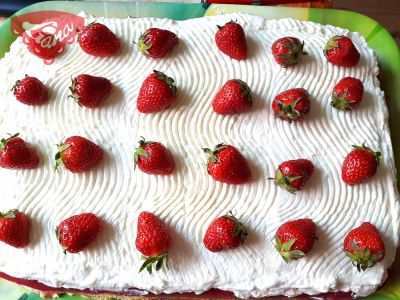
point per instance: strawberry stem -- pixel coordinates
(143, 45)
(363, 259)
(61, 148)
(332, 43)
(212, 154)
(377, 154)
(166, 79)
(285, 250)
(341, 102)
(3, 142)
(139, 151)
(285, 181)
(239, 229)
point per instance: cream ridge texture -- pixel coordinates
(189, 199)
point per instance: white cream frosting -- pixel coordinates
(189, 199)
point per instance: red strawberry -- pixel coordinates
(231, 40)
(360, 165)
(293, 174)
(364, 246)
(97, 40)
(224, 233)
(14, 228)
(89, 91)
(226, 164)
(347, 93)
(153, 240)
(30, 91)
(45, 45)
(78, 154)
(292, 105)
(234, 97)
(153, 158)
(287, 51)
(294, 239)
(77, 232)
(15, 153)
(156, 43)
(157, 93)
(341, 51)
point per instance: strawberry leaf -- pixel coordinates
(151, 260)
(9, 214)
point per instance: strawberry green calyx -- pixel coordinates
(285, 251)
(230, 22)
(363, 259)
(9, 214)
(212, 154)
(292, 56)
(72, 89)
(245, 89)
(332, 43)
(18, 82)
(377, 154)
(285, 181)
(139, 151)
(61, 147)
(59, 241)
(166, 79)
(239, 229)
(288, 110)
(3, 142)
(341, 101)
(158, 260)
(143, 45)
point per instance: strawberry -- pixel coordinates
(156, 43)
(364, 246)
(97, 40)
(231, 40)
(347, 93)
(226, 164)
(294, 239)
(157, 93)
(287, 51)
(293, 174)
(341, 51)
(14, 228)
(360, 165)
(89, 91)
(224, 233)
(15, 153)
(153, 240)
(153, 158)
(78, 154)
(234, 97)
(77, 232)
(30, 91)
(45, 45)
(292, 105)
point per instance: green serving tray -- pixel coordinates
(376, 35)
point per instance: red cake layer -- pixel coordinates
(213, 293)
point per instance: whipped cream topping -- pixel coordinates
(189, 199)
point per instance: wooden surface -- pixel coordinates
(386, 12)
